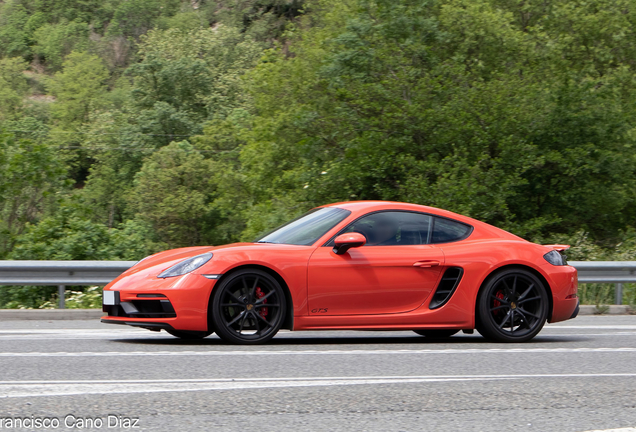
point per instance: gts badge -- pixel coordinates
(320, 310)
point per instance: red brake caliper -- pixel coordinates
(260, 294)
(497, 303)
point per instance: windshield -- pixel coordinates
(308, 228)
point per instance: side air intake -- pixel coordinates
(446, 287)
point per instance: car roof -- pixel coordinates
(484, 230)
(356, 206)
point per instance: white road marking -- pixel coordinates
(614, 430)
(17, 389)
(73, 332)
(595, 327)
(261, 352)
(587, 334)
(80, 336)
(122, 329)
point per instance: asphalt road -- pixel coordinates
(578, 375)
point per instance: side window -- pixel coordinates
(394, 228)
(446, 230)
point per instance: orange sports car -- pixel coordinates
(363, 265)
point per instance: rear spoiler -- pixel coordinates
(558, 247)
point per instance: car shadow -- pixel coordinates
(165, 340)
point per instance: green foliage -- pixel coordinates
(173, 192)
(70, 235)
(134, 18)
(135, 125)
(26, 297)
(450, 104)
(584, 249)
(29, 297)
(77, 88)
(13, 35)
(89, 298)
(13, 87)
(188, 77)
(30, 177)
(53, 42)
(261, 19)
(183, 79)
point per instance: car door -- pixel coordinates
(394, 272)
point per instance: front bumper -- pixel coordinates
(154, 326)
(142, 306)
(179, 303)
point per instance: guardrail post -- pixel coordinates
(619, 293)
(61, 293)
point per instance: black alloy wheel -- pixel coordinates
(513, 306)
(436, 333)
(248, 307)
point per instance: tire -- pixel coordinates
(185, 335)
(512, 306)
(248, 307)
(436, 334)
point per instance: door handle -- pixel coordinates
(426, 263)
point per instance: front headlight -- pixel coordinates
(555, 258)
(186, 266)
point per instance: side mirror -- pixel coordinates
(344, 242)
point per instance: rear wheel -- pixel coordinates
(513, 306)
(248, 307)
(189, 335)
(436, 334)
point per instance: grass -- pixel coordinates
(605, 294)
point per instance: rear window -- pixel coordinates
(446, 230)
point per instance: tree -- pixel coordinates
(517, 113)
(13, 87)
(449, 103)
(31, 175)
(13, 37)
(173, 192)
(53, 42)
(70, 235)
(77, 88)
(135, 17)
(186, 78)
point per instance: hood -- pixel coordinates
(155, 264)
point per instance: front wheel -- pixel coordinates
(513, 306)
(248, 307)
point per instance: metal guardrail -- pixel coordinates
(616, 272)
(63, 273)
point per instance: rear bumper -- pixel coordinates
(563, 282)
(576, 311)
